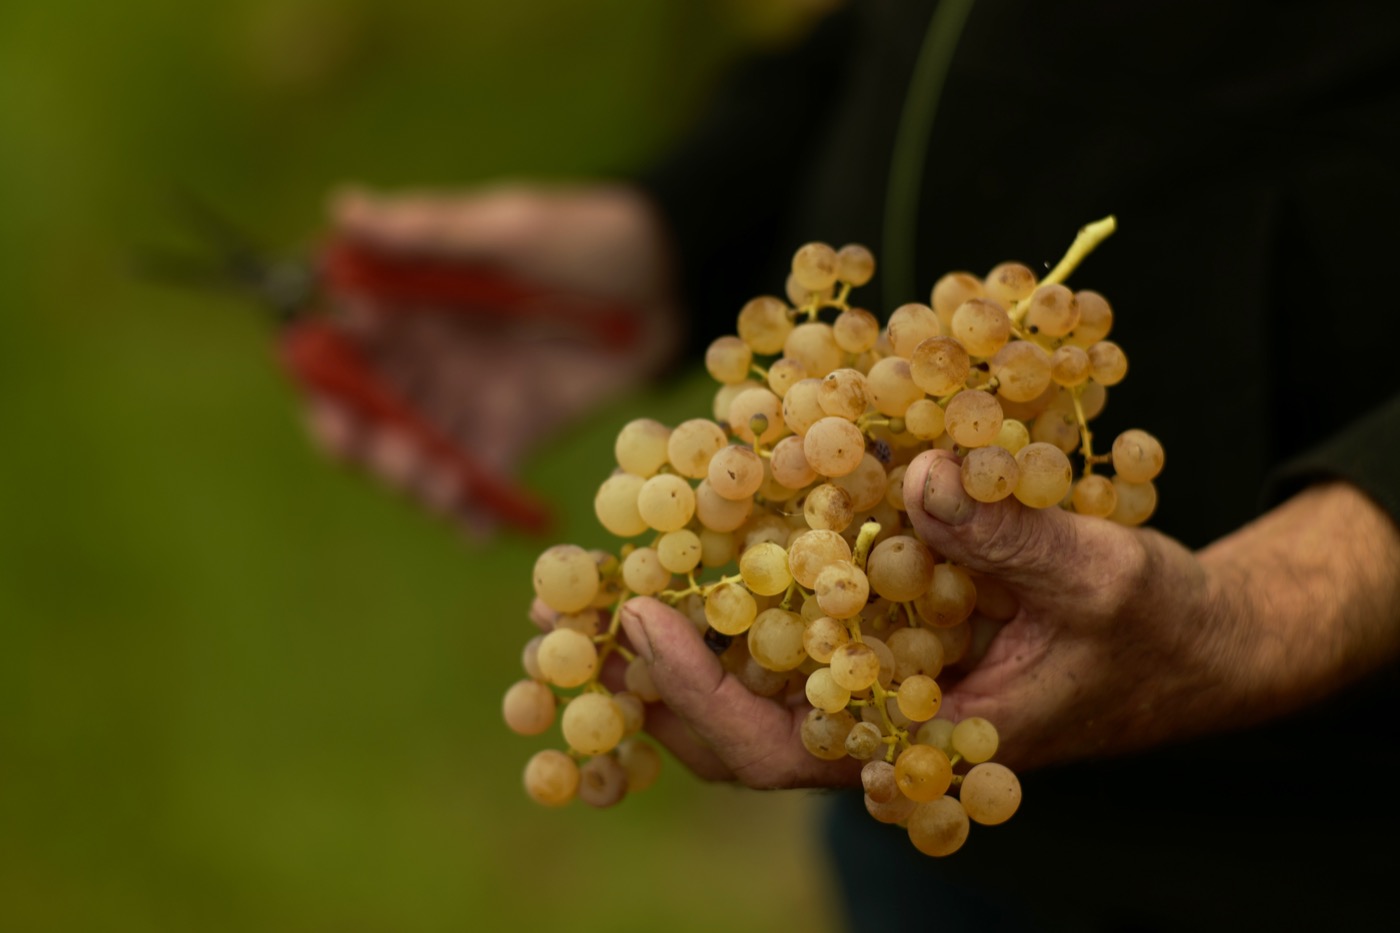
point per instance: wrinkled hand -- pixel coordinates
(494, 387)
(1106, 631)
(1119, 639)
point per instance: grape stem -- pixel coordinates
(675, 596)
(1089, 237)
(1086, 437)
(864, 541)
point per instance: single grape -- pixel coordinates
(727, 359)
(916, 651)
(823, 636)
(1022, 370)
(666, 502)
(975, 739)
(644, 573)
(764, 324)
(592, 724)
(1107, 363)
(829, 507)
(1012, 435)
(814, 346)
(679, 551)
(824, 734)
(756, 416)
(735, 472)
(783, 375)
(641, 446)
(950, 599)
(900, 568)
(1137, 456)
(528, 707)
(841, 590)
(1094, 495)
(824, 692)
(990, 793)
(566, 578)
(919, 697)
(864, 741)
(692, 444)
(940, 366)
(551, 778)
(1052, 311)
(814, 267)
(813, 550)
(1009, 281)
(641, 761)
(854, 264)
(938, 733)
(719, 514)
(843, 394)
(938, 827)
(567, 658)
(982, 326)
(989, 474)
(775, 640)
(891, 386)
(730, 608)
(950, 292)
(602, 781)
(855, 330)
(1095, 319)
(802, 406)
(1045, 475)
(1135, 502)
(910, 325)
(866, 483)
(973, 418)
(855, 666)
(922, 772)
(789, 465)
(1069, 366)
(764, 569)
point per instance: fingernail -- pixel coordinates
(636, 632)
(944, 497)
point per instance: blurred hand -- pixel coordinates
(1121, 638)
(498, 387)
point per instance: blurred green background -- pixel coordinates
(241, 689)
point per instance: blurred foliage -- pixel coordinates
(239, 689)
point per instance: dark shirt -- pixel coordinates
(1251, 152)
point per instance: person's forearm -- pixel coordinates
(1314, 586)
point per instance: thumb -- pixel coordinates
(749, 737)
(1024, 547)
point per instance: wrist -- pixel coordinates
(1303, 601)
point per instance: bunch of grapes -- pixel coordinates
(791, 498)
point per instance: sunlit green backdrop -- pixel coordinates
(239, 689)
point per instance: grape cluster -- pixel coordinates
(795, 486)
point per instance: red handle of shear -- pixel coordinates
(326, 361)
(348, 267)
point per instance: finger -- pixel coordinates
(673, 733)
(394, 457)
(1035, 552)
(433, 222)
(333, 428)
(757, 739)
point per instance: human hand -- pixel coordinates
(497, 385)
(1117, 639)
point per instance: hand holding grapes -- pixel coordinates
(1117, 639)
(498, 384)
(923, 583)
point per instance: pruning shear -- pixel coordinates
(323, 359)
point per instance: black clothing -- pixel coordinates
(1251, 152)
